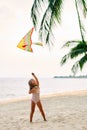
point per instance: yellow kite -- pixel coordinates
(26, 42)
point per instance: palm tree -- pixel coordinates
(45, 16)
(51, 15)
(80, 48)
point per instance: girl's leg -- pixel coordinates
(32, 110)
(41, 110)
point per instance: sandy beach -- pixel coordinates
(66, 111)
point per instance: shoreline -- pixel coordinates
(45, 96)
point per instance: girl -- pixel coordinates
(35, 100)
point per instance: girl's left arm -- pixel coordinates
(32, 90)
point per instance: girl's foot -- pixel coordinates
(45, 120)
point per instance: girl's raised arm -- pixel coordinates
(37, 81)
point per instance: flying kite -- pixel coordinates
(26, 42)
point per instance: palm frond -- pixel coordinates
(65, 58)
(79, 64)
(77, 50)
(75, 68)
(80, 48)
(51, 15)
(35, 11)
(70, 43)
(82, 61)
(84, 4)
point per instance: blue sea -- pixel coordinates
(18, 87)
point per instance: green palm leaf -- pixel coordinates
(84, 7)
(77, 50)
(79, 64)
(53, 10)
(51, 15)
(75, 68)
(80, 48)
(35, 11)
(82, 61)
(65, 58)
(70, 43)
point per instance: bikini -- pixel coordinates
(36, 96)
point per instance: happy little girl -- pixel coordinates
(35, 100)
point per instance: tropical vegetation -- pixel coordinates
(80, 47)
(46, 13)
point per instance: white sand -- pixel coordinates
(67, 111)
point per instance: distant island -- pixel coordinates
(80, 76)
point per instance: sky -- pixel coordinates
(15, 22)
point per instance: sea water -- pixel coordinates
(18, 87)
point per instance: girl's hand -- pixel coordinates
(32, 73)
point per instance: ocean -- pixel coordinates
(11, 88)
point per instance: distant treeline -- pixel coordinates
(82, 76)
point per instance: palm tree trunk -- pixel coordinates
(80, 26)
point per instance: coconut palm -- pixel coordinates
(80, 48)
(51, 15)
(46, 13)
